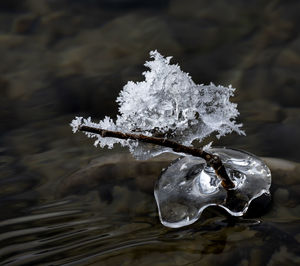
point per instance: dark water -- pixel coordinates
(63, 201)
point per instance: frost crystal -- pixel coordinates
(167, 104)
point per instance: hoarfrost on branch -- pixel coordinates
(167, 104)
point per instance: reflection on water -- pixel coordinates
(88, 229)
(64, 202)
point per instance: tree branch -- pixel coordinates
(212, 160)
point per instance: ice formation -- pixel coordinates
(167, 104)
(188, 186)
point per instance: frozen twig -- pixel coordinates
(212, 160)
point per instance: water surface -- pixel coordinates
(63, 201)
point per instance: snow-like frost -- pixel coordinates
(167, 104)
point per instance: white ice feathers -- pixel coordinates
(167, 104)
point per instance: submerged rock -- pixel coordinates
(108, 173)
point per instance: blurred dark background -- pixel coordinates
(61, 58)
(73, 57)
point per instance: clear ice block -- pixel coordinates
(188, 186)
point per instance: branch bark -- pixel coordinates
(212, 160)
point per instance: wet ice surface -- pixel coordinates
(188, 186)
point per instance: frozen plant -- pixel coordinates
(167, 112)
(168, 104)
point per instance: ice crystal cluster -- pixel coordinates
(167, 104)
